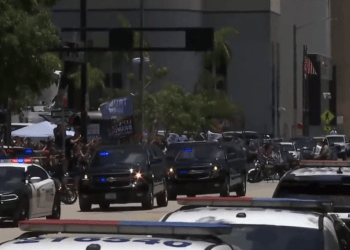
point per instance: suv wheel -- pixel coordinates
(56, 209)
(148, 202)
(162, 198)
(242, 189)
(84, 204)
(225, 188)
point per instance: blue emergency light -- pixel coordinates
(28, 151)
(20, 160)
(188, 150)
(104, 154)
(103, 179)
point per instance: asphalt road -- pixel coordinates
(131, 211)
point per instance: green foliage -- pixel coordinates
(95, 77)
(222, 52)
(26, 34)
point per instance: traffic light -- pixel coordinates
(74, 121)
(200, 39)
(121, 39)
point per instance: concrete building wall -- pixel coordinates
(316, 36)
(340, 54)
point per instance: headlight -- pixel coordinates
(86, 177)
(9, 197)
(138, 175)
(216, 168)
(171, 170)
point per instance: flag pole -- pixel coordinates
(305, 95)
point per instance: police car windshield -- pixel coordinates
(11, 175)
(337, 192)
(266, 237)
(333, 139)
(201, 152)
(288, 147)
(119, 156)
(304, 143)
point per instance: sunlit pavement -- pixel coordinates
(131, 211)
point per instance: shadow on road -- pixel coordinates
(7, 225)
(117, 209)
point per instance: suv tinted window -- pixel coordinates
(201, 152)
(117, 156)
(35, 171)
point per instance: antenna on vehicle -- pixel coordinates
(339, 171)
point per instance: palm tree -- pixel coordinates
(95, 78)
(222, 53)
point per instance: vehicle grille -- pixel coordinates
(193, 173)
(112, 180)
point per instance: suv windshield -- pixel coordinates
(119, 156)
(11, 175)
(337, 192)
(201, 152)
(333, 139)
(304, 143)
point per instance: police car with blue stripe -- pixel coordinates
(26, 191)
(126, 235)
(268, 223)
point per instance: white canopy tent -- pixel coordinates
(38, 130)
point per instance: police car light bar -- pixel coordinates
(124, 227)
(256, 202)
(313, 163)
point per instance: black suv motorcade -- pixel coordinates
(207, 168)
(125, 174)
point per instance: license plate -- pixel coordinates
(111, 196)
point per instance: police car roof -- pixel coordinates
(335, 135)
(319, 171)
(286, 143)
(16, 165)
(106, 242)
(247, 216)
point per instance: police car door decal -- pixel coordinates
(149, 241)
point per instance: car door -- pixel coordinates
(44, 191)
(233, 164)
(156, 169)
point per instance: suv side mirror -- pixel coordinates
(34, 179)
(156, 160)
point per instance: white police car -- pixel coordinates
(267, 223)
(126, 235)
(328, 180)
(26, 191)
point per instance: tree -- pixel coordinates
(26, 34)
(222, 53)
(95, 77)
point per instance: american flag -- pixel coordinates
(308, 67)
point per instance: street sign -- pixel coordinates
(327, 128)
(327, 116)
(58, 113)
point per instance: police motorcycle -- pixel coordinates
(64, 182)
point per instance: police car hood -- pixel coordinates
(254, 216)
(107, 242)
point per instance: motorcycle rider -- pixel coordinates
(333, 132)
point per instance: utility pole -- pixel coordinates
(295, 79)
(83, 125)
(141, 65)
(305, 95)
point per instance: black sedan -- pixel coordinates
(125, 174)
(207, 168)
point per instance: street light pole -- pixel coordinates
(141, 64)
(83, 124)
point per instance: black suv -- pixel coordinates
(207, 168)
(125, 174)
